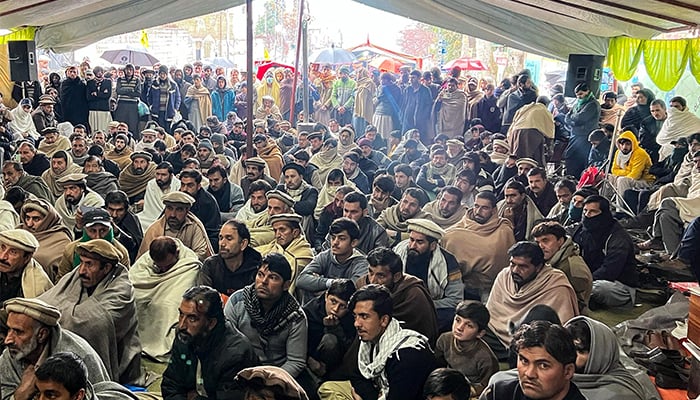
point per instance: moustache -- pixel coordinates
(83, 276)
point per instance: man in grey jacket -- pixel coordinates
(342, 260)
(270, 317)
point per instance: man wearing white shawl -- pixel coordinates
(678, 124)
(22, 123)
(160, 276)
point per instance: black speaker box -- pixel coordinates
(23, 62)
(584, 68)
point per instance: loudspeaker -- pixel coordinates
(584, 68)
(23, 62)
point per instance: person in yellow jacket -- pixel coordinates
(630, 165)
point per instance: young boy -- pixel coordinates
(463, 350)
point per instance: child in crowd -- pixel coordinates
(464, 350)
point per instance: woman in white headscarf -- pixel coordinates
(22, 124)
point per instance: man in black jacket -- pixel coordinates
(99, 92)
(207, 352)
(609, 252)
(205, 208)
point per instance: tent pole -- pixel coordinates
(249, 77)
(305, 58)
(296, 64)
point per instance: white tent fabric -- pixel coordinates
(554, 28)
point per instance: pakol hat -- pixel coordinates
(426, 227)
(19, 239)
(177, 197)
(102, 248)
(256, 161)
(75, 179)
(286, 217)
(35, 308)
(281, 196)
(527, 161)
(141, 154)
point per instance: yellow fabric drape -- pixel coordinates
(623, 56)
(21, 34)
(665, 60)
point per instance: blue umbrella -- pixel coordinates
(333, 55)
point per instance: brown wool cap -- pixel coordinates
(35, 308)
(177, 197)
(102, 248)
(19, 239)
(426, 227)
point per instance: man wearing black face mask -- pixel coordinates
(609, 252)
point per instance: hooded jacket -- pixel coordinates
(569, 261)
(639, 163)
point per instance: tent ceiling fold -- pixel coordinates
(554, 28)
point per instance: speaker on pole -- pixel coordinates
(23, 61)
(584, 68)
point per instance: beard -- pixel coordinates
(139, 171)
(164, 184)
(258, 207)
(174, 223)
(19, 353)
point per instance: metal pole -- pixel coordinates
(305, 63)
(296, 63)
(249, 77)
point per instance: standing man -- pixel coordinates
(99, 93)
(208, 352)
(343, 97)
(74, 104)
(450, 110)
(164, 98)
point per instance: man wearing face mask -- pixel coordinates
(609, 252)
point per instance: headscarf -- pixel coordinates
(344, 147)
(327, 192)
(22, 122)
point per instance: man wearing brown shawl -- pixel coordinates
(134, 178)
(364, 96)
(449, 110)
(121, 154)
(41, 219)
(61, 165)
(525, 283)
(52, 142)
(447, 209)
(96, 301)
(198, 101)
(395, 218)
(480, 242)
(267, 150)
(474, 96)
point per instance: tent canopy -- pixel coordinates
(554, 28)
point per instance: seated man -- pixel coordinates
(164, 183)
(528, 281)
(205, 207)
(33, 163)
(381, 197)
(519, 208)
(135, 177)
(564, 190)
(436, 174)
(61, 165)
(41, 219)
(413, 304)
(99, 180)
(609, 252)
(599, 372)
(561, 253)
(127, 228)
(342, 260)
(304, 195)
(630, 165)
(447, 209)
(178, 222)
(75, 196)
(98, 225)
(14, 175)
(351, 168)
(236, 264)
(290, 242)
(372, 235)
(270, 317)
(540, 190)
(423, 258)
(394, 219)
(480, 242)
(207, 352)
(539, 345)
(96, 302)
(255, 169)
(400, 368)
(33, 335)
(228, 195)
(331, 329)
(159, 276)
(261, 232)
(256, 203)
(466, 183)
(21, 275)
(673, 214)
